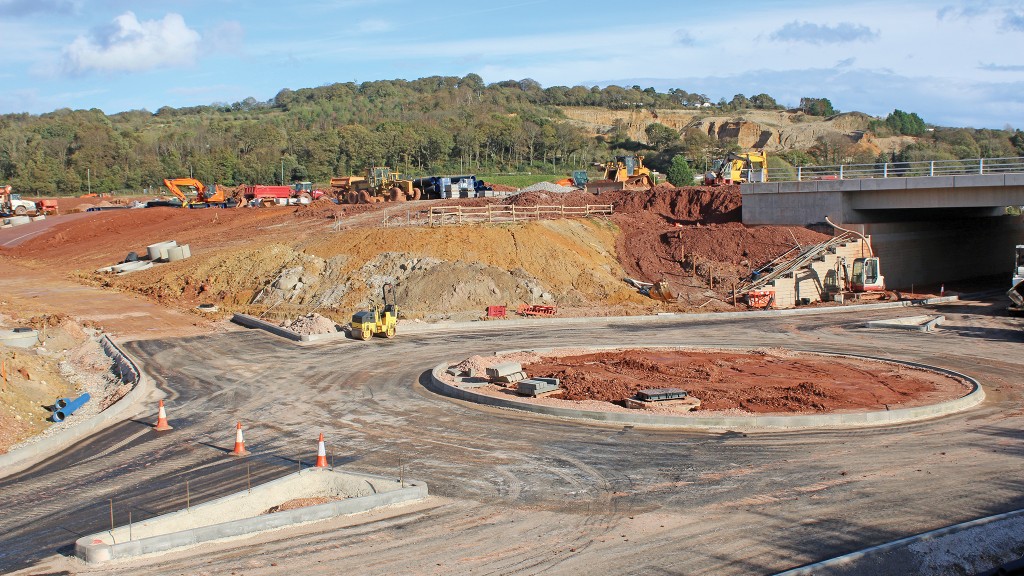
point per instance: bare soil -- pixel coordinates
(758, 382)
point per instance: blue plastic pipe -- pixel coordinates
(69, 407)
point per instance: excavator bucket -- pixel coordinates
(662, 291)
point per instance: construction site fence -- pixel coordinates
(905, 169)
(491, 214)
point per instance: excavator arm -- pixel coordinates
(188, 190)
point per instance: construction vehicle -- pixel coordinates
(381, 318)
(297, 193)
(738, 168)
(380, 184)
(1016, 292)
(623, 173)
(579, 180)
(11, 204)
(194, 194)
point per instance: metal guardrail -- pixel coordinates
(907, 169)
(490, 214)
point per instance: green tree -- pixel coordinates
(660, 136)
(901, 122)
(817, 107)
(680, 173)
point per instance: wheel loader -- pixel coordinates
(380, 319)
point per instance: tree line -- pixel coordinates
(439, 124)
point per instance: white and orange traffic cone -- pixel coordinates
(321, 453)
(161, 419)
(239, 443)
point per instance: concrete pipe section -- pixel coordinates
(515, 492)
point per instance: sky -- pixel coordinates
(956, 63)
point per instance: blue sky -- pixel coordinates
(954, 63)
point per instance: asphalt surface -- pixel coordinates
(523, 494)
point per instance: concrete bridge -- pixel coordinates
(929, 222)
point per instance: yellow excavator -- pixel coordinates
(737, 168)
(195, 194)
(382, 318)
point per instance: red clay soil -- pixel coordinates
(749, 381)
(678, 233)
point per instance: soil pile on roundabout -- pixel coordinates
(762, 381)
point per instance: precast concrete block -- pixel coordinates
(883, 184)
(808, 186)
(930, 182)
(978, 180)
(504, 369)
(1013, 179)
(759, 188)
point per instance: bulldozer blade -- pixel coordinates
(599, 186)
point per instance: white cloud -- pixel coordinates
(374, 26)
(128, 45)
(810, 33)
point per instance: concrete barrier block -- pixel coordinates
(504, 369)
(787, 187)
(925, 182)
(978, 181)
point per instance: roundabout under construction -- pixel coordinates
(518, 492)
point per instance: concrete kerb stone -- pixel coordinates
(26, 456)
(407, 327)
(737, 423)
(199, 524)
(253, 322)
(914, 323)
(968, 548)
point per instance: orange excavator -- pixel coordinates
(195, 194)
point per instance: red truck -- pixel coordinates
(298, 193)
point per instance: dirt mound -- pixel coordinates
(501, 187)
(751, 382)
(690, 205)
(311, 324)
(544, 198)
(693, 237)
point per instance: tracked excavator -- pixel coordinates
(195, 194)
(738, 168)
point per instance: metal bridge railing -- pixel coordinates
(907, 169)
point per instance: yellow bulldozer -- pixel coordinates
(623, 173)
(381, 318)
(379, 185)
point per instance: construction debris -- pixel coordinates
(537, 387)
(536, 310)
(312, 323)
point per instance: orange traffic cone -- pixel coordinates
(321, 453)
(161, 419)
(239, 443)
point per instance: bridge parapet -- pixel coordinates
(886, 170)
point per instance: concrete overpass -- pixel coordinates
(929, 221)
